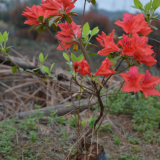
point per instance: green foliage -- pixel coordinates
(33, 136)
(66, 56)
(74, 58)
(3, 40)
(148, 9)
(145, 111)
(74, 121)
(133, 140)
(129, 157)
(95, 31)
(116, 140)
(106, 128)
(86, 29)
(83, 122)
(92, 121)
(14, 69)
(138, 4)
(156, 4)
(93, 2)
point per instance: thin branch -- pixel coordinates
(60, 44)
(109, 107)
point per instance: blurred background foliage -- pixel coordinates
(11, 19)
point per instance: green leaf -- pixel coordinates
(40, 18)
(138, 4)
(5, 36)
(44, 80)
(53, 20)
(33, 28)
(90, 119)
(94, 31)
(52, 67)
(134, 7)
(46, 69)
(80, 58)
(86, 29)
(29, 70)
(155, 4)
(83, 122)
(93, 45)
(46, 57)
(21, 69)
(40, 29)
(42, 70)
(41, 57)
(114, 60)
(69, 20)
(1, 38)
(74, 58)
(66, 56)
(154, 28)
(148, 6)
(14, 69)
(92, 54)
(7, 50)
(91, 123)
(93, 2)
(73, 14)
(70, 41)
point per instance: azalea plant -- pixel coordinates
(55, 17)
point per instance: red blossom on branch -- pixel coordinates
(132, 80)
(128, 45)
(108, 44)
(148, 85)
(59, 7)
(143, 52)
(33, 13)
(82, 67)
(66, 36)
(105, 68)
(134, 24)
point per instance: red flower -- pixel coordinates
(59, 7)
(128, 45)
(143, 52)
(134, 24)
(108, 43)
(148, 85)
(82, 67)
(67, 35)
(33, 13)
(132, 80)
(105, 69)
(147, 60)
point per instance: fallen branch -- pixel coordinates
(61, 109)
(21, 64)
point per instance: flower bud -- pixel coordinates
(75, 47)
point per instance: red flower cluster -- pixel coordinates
(48, 7)
(137, 47)
(132, 44)
(140, 82)
(59, 7)
(82, 67)
(33, 13)
(108, 44)
(68, 35)
(134, 24)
